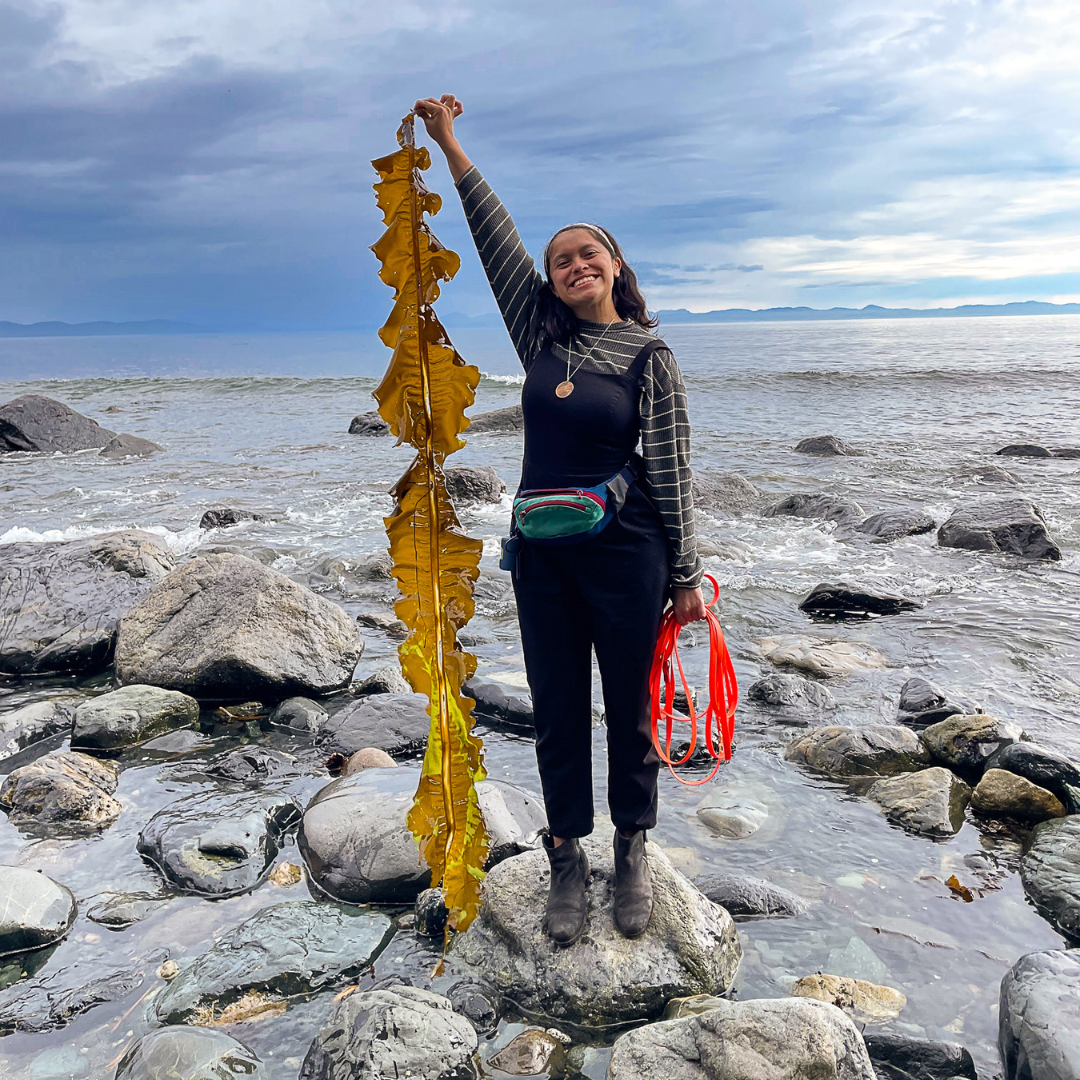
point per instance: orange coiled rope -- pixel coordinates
(719, 715)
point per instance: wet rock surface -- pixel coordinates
(369, 423)
(226, 626)
(217, 845)
(923, 703)
(892, 525)
(844, 601)
(901, 1057)
(1013, 526)
(252, 764)
(499, 421)
(128, 446)
(394, 1032)
(33, 422)
(33, 723)
(966, 741)
(826, 446)
(794, 699)
(121, 910)
(724, 491)
(733, 812)
(498, 707)
(35, 911)
(298, 713)
(1039, 1017)
(369, 758)
(69, 790)
(188, 1053)
(396, 723)
(817, 508)
(1004, 794)
(1029, 450)
(224, 517)
(736, 1040)
(930, 802)
(60, 602)
(745, 897)
(1050, 872)
(474, 484)
(826, 659)
(870, 750)
(387, 680)
(131, 715)
(1052, 771)
(287, 949)
(689, 947)
(513, 818)
(866, 1001)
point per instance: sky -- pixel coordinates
(208, 160)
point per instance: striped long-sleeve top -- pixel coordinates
(665, 424)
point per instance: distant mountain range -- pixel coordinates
(97, 329)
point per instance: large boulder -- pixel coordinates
(474, 484)
(930, 802)
(69, 790)
(1031, 450)
(369, 423)
(33, 422)
(791, 698)
(35, 911)
(131, 715)
(396, 723)
(690, 946)
(892, 525)
(1039, 1017)
(967, 740)
(284, 950)
(744, 897)
(844, 601)
(498, 708)
(1043, 767)
(358, 848)
(870, 750)
(1050, 872)
(765, 1039)
(225, 626)
(20, 728)
(188, 1053)
(902, 1057)
(1000, 793)
(817, 508)
(508, 420)
(826, 446)
(1011, 525)
(923, 703)
(389, 1034)
(217, 845)
(60, 602)
(387, 680)
(724, 491)
(827, 659)
(128, 446)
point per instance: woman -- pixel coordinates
(595, 381)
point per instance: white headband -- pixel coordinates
(602, 236)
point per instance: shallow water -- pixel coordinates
(922, 400)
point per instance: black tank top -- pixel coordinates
(585, 438)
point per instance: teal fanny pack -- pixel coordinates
(560, 513)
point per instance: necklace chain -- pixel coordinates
(587, 353)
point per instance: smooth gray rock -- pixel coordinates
(732, 812)
(474, 483)
(1050, 872)
(20, 728)
(724, 491)
(387, 680)
(498, 421)
(1001, 793)
(844, 601)
(892, 525)
(499, 708)
(390, 1034)
(902, 1057)
(817, 508)
(35, 911)
(870, 750)
(966, 741)
(33, 422)
(225, 626)
(690, 946)
(71, 791)
(1043, 767)
(131, 715)
(783, 1038)
(827, 659)
(826, 446)
(60, 602)
(930, 802)
(1071, 453)
(287, 949)
(118, 911)
(253, 763)
(792, 698)
(1039, 1017)
(188, 1053)
(1024, 450)
(358, 848)
(923, 703)
(217, 845)
(745, 897)
(298, 713)
(1011, 525)
(992, 475)
(225, 517)
(128, 446)
(369, 423)
(396, 723)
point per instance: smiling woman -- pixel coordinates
(602, 536)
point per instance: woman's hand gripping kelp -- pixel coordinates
(438, 115)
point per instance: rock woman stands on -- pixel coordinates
(596, 380)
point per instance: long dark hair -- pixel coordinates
(558, 323)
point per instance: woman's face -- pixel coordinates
(582, 270)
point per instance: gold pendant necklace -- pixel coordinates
(566, 387)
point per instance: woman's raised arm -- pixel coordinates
(438, 116)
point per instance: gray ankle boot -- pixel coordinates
(567, 906)
(633, 885)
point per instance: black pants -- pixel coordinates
(605, 593)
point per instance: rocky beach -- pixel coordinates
(207, 750)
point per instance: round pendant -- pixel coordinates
(564, 389)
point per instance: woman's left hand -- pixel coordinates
(688, 605)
